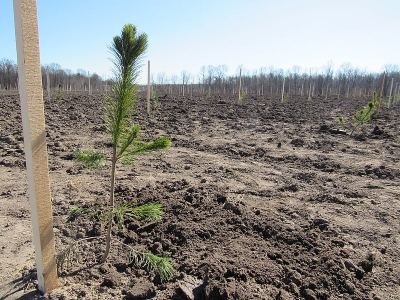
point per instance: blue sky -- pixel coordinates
(186, 35)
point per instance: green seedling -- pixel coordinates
(208, 94)
(361, 118)
(242, 94)
(155, 98)
(364, 115)
(58, 92)
(342, 122)
(127, 50)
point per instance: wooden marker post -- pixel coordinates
(148, 87)
(390, 93)
(48, 84)
(88, 75)
(240, 86)
(380, 92)
(32, 107)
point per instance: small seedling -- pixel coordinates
(242, 94)
(208, 94)
(155, 98)
(364, 115)
(361, 118)
(342, 122)
(58, 92)
(125, 140)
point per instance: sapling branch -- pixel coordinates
(90, 158)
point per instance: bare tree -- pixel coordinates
(185, 78)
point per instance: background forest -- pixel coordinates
(346, 80)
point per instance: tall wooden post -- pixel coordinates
(240, 86)
(89, 83)
(283, 89)
(326, 93)
(390, 94)
(48, 84)
(380, 92)
(148, 87)
(33, 121)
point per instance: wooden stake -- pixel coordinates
(283, 88)
(240, 86)
(380, 92)
(326, 93)
(390, 94)
(48, 84)
(90, 92)
(148, 87)
(33, 121)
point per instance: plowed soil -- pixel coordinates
(263, 200)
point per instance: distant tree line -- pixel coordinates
(346, 80)
(69, 80)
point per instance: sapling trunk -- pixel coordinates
(111, 204)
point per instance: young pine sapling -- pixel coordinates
(58, 92)
(361, 117)
(155, 98)
(127, 50)
(208, 94)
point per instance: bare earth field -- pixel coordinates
(262, 201)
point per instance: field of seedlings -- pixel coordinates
(263, 200)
